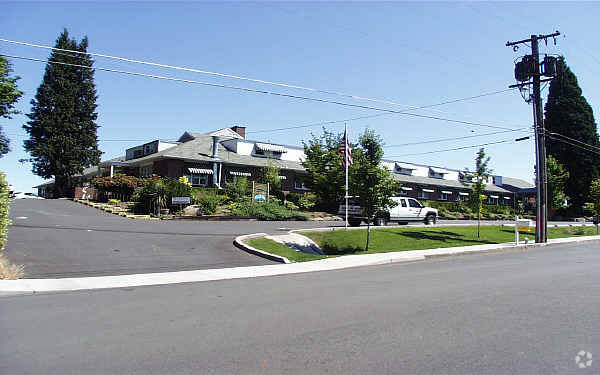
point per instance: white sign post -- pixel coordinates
(521, 224)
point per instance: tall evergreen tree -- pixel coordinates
(9, 95)
(568, 113)
(62, 128)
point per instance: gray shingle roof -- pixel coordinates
(199, 149)
(443, 183)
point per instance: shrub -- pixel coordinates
(305, 201)
(114, 202)
(239, 190)
(119, 186)
(208, 203)
(4, 210)
(266, 211)
(151, 196)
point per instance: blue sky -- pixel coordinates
(411, 53)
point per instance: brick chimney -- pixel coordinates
(241, 130)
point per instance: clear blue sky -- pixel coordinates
(411, 53)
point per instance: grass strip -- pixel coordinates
(274, 247)
(341, 242)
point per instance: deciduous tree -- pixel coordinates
(326, 177)
(557, 179)
(372, 183)
(477, 181)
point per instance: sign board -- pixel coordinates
(524, 224)
(180, 200)
(260, 192)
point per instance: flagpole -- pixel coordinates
(346, 143)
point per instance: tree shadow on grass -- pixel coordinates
(332, 249)
(442, 236)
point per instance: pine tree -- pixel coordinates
(568, 113)
(62, 128)
(9, 95)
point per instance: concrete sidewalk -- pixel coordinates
(86, 283)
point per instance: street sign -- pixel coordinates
(180, 200)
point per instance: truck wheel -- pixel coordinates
(354, 222)
(380, 222)
(430, 219)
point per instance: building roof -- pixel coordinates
(199, 149)
(443, 183)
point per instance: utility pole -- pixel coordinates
(530, 68)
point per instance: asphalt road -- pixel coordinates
(61, 238)
(504, 313)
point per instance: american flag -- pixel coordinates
(345, 145)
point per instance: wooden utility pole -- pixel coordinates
(534, 71)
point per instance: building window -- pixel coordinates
(492, 199)
(443, 196)
(424, 194)
(406, 171)
(233, 176)
(433, 174)
(463, 197)
(299, 184)
(138, 153)
(146, 171)
(197, 179)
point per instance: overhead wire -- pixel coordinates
(225, 75)
(574, 140)
(377, 115)
(453, 139)
(453, 149)
(246, 89)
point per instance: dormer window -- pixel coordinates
(402, 168)
(437, 172)
(267, 149)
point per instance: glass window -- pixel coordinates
(299, 184)
(414, 204)
(423, 194)
(403, 202)
(197, 179)
(146, 171)
(443, 196)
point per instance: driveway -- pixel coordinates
(61, 238)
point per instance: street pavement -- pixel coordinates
(61, 238)
(527, 312)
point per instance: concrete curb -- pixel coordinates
(10, 287)
(239, 243)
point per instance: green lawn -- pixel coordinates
(273, 247)
(342, 242)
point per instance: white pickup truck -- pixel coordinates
(407, 209)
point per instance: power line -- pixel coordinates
(453, 139)
(575, 140)
(453, 149)
(246, 89)
(378, 115)
(574, 144)
(201, 71)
